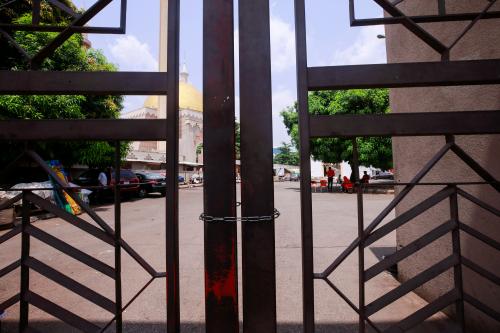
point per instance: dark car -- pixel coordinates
(151, 183)
(162, 173)
(90, 178)
(128, 180)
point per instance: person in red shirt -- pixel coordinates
(330, 174)
(366, 178)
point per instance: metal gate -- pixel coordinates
(221, 280)
(35, 82)
(447, 124)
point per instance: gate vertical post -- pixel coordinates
(172, 165)
(25, 273)
(257, 187)
(221, 281)
(457, 250)
(361, 234)
(305, 168)
(117, 238)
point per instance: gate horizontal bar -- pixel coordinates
(57, 28)
(71, 251)
(482, 307)
(12, 233)
(406, 124)
(82, 83)
(481, 271)
(60, 313)
(70, 284)
(74, 220)
(408, 215)
(480, 236)
(409, 249)
(88, 129)
(8, 303)
(420, 74)
(425, 18)
(7, 269)
(411, 284)
(425, 312)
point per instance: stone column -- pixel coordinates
(410, 154)
(163, 63)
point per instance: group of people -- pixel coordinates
(345, 183)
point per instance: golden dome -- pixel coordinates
(189, 98)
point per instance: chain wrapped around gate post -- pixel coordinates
(263, 218)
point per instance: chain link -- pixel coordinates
(233, 219)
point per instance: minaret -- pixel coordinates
(184, 74)
(162, 112)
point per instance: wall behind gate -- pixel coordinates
(410, 154)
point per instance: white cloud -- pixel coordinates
(132, 54)
(366, 49)
(282, 98)
(282, 44)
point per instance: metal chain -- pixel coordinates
(264, 218)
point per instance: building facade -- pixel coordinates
(151, 154)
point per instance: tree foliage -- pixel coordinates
(237, 143)
(13, 11)
(71, 56)
(287, 155)
(374, 151)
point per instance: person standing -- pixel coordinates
(330, 174)
(102, 178)
(366, 178)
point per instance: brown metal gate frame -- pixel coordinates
(448, 124)
(258, 259)
(91, 83)
(220, 202)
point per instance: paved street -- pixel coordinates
(143, 227)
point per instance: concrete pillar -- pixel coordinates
(410, 154)
(162, 61)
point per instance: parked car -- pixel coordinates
(128, 180)
(150, 183)
(182, 180)
(383, 178)
(90, 178)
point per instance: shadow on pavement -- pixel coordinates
(153, 327)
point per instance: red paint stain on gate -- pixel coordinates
(221, 282)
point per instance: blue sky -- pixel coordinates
(330, 42)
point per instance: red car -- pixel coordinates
(128, 180)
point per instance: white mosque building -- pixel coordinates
(151, 154)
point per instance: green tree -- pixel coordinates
(71, 56)
(286, 155)
(11, 13)
(374, 151)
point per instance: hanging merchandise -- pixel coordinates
(62, 198)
